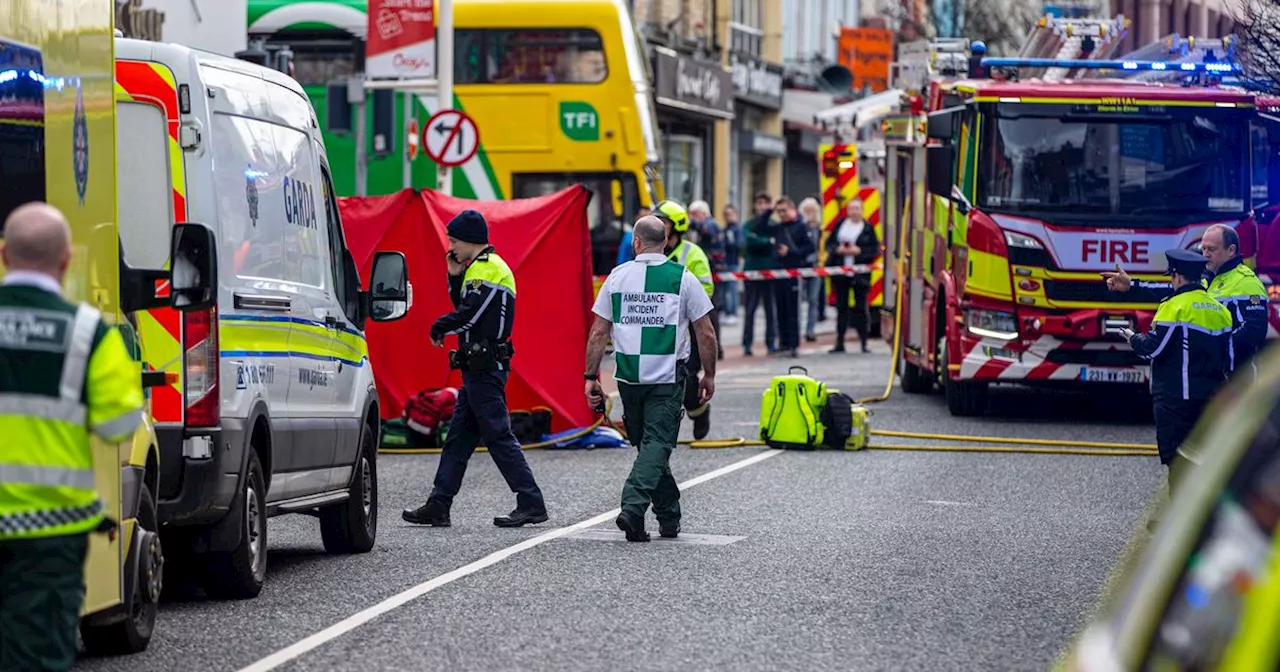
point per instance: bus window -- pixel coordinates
(22, 176)
(490, 56)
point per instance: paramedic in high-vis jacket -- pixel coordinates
(1230, 283)
(1188, 347)
(483, 291)
(648, 306)
(64, 374)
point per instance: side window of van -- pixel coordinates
(337, 245)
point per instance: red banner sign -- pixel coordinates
(402, 39)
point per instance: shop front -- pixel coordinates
(758, 148)
(692, 95)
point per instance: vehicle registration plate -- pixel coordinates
(1104, 375)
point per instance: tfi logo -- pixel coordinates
(1111, 251)
(579, 121)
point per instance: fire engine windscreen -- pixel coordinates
(1139, 170)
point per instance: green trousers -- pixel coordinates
(651, 414)
(41, 594)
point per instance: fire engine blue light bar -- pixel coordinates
(1109, 65)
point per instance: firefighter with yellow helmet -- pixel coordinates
(693, 258)
(64, 374)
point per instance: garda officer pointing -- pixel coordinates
(64, 373)
(483, 291)
(1188, 347)
(650, 305)
(1232, 284)
(692, 257)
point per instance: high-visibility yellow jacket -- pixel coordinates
(63, 374)
(693, 258)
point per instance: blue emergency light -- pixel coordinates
(1132, 66)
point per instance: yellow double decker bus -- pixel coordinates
(560, 90)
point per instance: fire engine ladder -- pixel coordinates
(1072, 39)
(922, 60)
(1175, 50)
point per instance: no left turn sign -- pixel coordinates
(450, 138)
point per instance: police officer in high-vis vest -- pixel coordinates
(650, 305)
(483, 291)
(1188, 347)
(683, 252)
(1231, 283)
(64, 374)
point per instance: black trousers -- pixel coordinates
(481, 415)
(859, 315)
(693, 373)
(1174, 420)
(756, 294)
(41, 593)
(786, 301)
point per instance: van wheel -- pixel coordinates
(352, 526)
(963, 399)
(240, 573)
(133, 634)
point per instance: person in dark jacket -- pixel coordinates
(759, 256)
(853, 242)
(793, 246)
(1188, 347)
(732, 262)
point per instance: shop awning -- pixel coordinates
(858, 113)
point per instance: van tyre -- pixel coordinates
(352, 526)
(240, 573)
(963, 399)
(133, 633)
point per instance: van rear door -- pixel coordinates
(152, 190)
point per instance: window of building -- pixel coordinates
(746, 30)
(553, 56)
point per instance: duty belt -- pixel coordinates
(481, 355)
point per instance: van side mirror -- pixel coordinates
(940, 166)
(942, 125)
(388, 295)
(193, 258)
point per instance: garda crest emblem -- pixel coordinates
(80, 146)
(1255, 299)
(251, 194)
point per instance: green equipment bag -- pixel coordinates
(790, 411)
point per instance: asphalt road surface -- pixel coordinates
(793, 560)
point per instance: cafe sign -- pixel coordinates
(691, 85)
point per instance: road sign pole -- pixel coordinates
(408, 115)
(444, 77)
(356, 96)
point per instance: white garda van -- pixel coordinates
(271, 406)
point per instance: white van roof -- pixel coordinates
(163, 52)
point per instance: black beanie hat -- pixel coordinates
(469, 227)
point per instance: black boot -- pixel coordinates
(521, 517)
(633, 526)
(434, 513)
(702, 423)
(669, 530)
(864, 345)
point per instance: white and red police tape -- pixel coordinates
(785, 273)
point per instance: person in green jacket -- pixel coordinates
(760, 254)
(685, 253)
(65, 374)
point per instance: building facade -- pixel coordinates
(217, 26)
(718, 87)
(1154, 19)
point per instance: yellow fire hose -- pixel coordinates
(1011, 445)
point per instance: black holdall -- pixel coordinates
(837, 420)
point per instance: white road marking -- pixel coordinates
(396, 601)
(943, 502)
